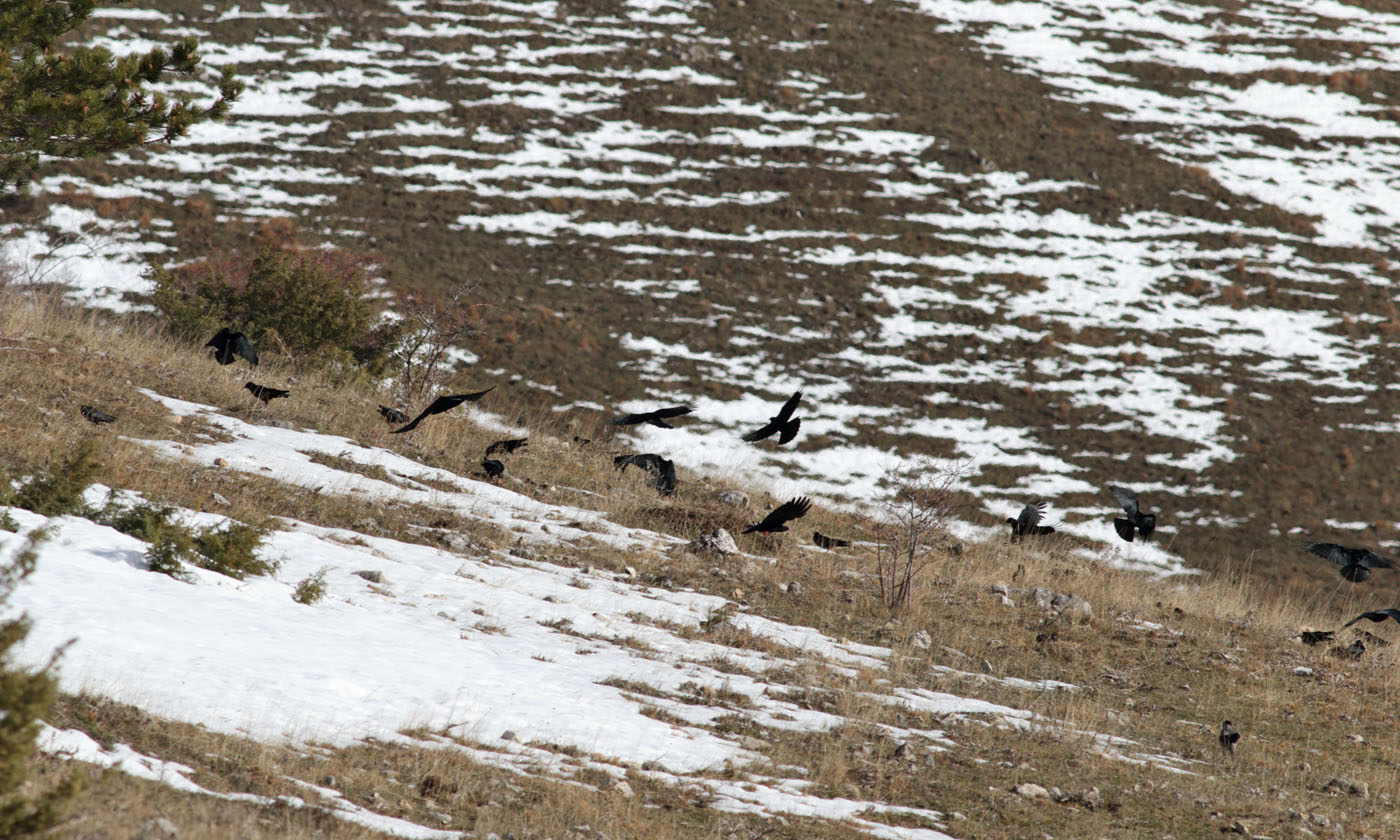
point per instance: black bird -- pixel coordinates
(506, 446)
(655, 418)
(778, 518)
(228, 345)
(265, 393)
(828, 542)
(392, 415)
(1375, 615)
(442, 404)
(783, 424)
(1351, 651)
(1143, 522)
(1314, 637)
(1029, 521)
(663, 472)
(96, 416)
(1228, 737)
(494, 469)
(1356, 563)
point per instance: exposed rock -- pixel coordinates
(717, 543)
(219, 499)
(371, 575)
(220, 462)
(460, 543)
(1007, 602)
(952, 651)
(524, 552)
(921, 640)
(793, 588)
(1030, 790)
(510, 735)
(1341, 784)
(1073, 606)
(735, 498)
(623, 788)
(1000, 589)
(1301, 671)
(328, 781)
(1040, 596)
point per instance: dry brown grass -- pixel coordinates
(1224, 650)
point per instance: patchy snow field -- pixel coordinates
(1168, 271)
(523, 664)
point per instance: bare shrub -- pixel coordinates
(432, 324)
(923, 501)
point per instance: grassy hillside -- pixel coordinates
(1129, 745)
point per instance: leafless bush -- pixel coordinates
(923, 501)
(433, 323)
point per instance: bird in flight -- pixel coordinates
(822, 540)
(442, 404)
(663, 471)
(506, 446)
(228, 345)
(1356, 563)
(1375, 615)
(1028, 522)
(654, 418)
(1228, 737)
(494, 469)
(1142, 522)
(392, 415)
(96, 416)
(782, 424)
(777, 519)
(264, 393)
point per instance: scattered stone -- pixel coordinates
(509, 735)
(851, 576)
(219, 499)
(442, 818)
(1301, 671)
(1319, 820)
(793, 588)
(367, 526)
(1073, 606)
(986, 667)
(158, 828)
(524, 552)
(1342, 784)
(371, 575)
(954, 652)
(220, 462)
(735, 498)
(328, 781)
(460, 543)
(717, 543)
(653, 766)
(1040, 596)
(749, 742)
(629, 572)
(623, 788)
(1000, 589)
(1030, 790)
(921, 640)
(1007, 602)
(957, 816)
(1241, 829)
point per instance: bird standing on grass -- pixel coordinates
(264, 393)
(392, 415)
(654, 418)
(228, 345)
(784, 513)
(442, 404)
(1028, 522)
(1228, 737)
(1356, 563)
(494, 469)
(1144, 523)
(95, 416)
(782, 424)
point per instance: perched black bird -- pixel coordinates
(506, 446)
(828, 542)
(1228, 737)
(778, 518)
(1351, 651)
(655, 418)
(1028, 523)
(494, 469)
(228, 345)
(265, 393)
(1314, 637)
(96, 416)
(663, 472)
(1356, 563)
(1375, 615)
(442, 404)
(783, 424)
(1143, 522)
(392, 415)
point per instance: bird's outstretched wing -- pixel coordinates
(1331, 552)
(1372, 560)
(789, 431)
(1375, 615)
(663, 471)
(768, 429)
(441, 404)
(778, 518)
(1124, 528)
(1126, 498)
(243, 347)
(785, 413)
(780, 422)
(655, 418)
(1030, 516)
